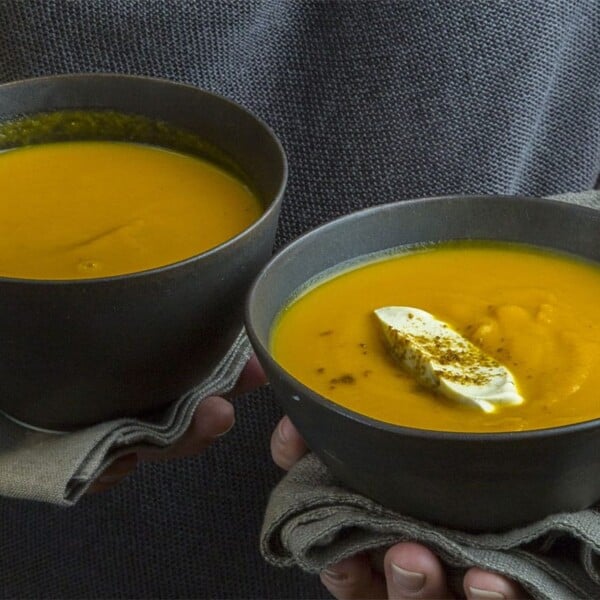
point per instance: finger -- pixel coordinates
(252, 377)
(413, 571)
(354, 578)
(213, 418)
(287, 445)
(483, 585)
(114, 473)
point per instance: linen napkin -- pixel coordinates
(312, 522)
(58, 468)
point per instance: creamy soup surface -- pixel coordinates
(74, 210)
(536, 312)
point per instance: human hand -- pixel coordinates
(410, 570)
(213, 418)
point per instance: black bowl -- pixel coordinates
(467, 481)
(79, 352)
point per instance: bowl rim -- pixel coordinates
(264, 353)
(273, 206)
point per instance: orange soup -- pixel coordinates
(536, 312)
(73, 210)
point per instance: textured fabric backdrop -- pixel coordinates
(374, 101)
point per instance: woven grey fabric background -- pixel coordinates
(374, 101)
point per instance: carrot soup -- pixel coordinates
(533, 312)
(73, 210)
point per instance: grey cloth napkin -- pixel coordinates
(58, 468)
(312, 522)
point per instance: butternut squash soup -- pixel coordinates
(534, 313)
(73, 210)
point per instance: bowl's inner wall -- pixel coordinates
(109, 125)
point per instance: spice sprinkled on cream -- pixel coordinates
(441, 359)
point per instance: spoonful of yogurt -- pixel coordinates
(441, 359)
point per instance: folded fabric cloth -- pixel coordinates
(58, 468)
(312, 522)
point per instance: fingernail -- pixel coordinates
(284, 430)
(409, 581)
(334, 575)
(226, 431)
(479, 594)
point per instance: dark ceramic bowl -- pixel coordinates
(466, 481)
(73, 353)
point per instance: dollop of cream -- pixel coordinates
(441, 359)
